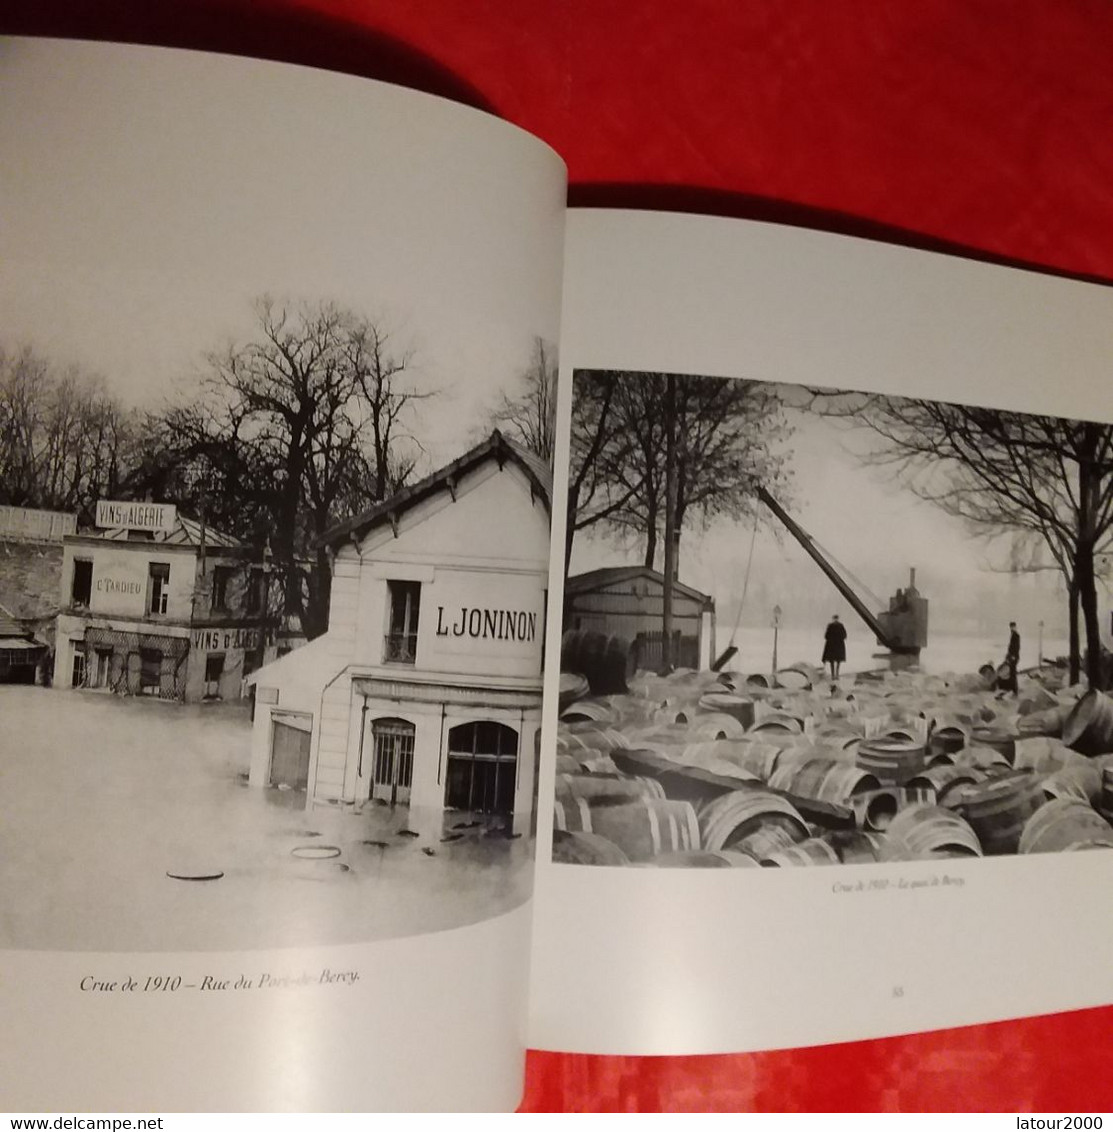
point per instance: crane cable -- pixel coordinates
(745, 581)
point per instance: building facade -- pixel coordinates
(177, 614)
(426, 689)
(629, 602)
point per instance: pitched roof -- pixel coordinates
(615, 575)
(495, 447)
(184, 532)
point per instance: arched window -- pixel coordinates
(482, 767)
(393, 759)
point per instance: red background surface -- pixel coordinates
(982, 125)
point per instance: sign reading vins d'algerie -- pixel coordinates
(136, 516)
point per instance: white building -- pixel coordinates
(178, 613)
(426, 689)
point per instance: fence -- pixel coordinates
(25, 524)
(649, 649)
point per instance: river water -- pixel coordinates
(944, 653)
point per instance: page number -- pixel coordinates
(898, 992)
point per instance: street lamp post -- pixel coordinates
(1040, 660)
(776, 628)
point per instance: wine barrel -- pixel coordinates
(1001, 739)
(855, 847)
(1089, 727)
(726, 821)
(595, 737)
(740, 708)
(645, 828)
(1065, 825)
(891, 761)
(813, 851)
(573, 687)
(1081, 780)
(586, 849)
(692, 859)
(946, 739)
(939, 780)
(766, 840)
(998, 808)
(926, 831)
(777, 721)
(825, 780)
(1044, 754)
(875, 809)
(607, 661)
(599, 786)
(717, 725)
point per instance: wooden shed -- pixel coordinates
(628, 601)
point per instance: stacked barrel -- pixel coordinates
(704, 769)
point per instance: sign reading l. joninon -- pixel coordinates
(133, 515)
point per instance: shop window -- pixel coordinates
(81, 591)
(392, 772)
(222, 576)
(158, 587)
(482, 767)
(77, 675)
(401, 639)
(150, 671)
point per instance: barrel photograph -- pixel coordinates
(734, 694)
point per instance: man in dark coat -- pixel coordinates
(834, 645)
(1007, 683)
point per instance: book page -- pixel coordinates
(273, 563)
(857, 788)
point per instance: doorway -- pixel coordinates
(393, 755)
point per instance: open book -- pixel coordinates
(379, 697)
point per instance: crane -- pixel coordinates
(902, 628)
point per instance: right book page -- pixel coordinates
(851, 773)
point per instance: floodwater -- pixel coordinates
(102, 796)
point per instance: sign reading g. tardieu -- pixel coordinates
(136, 516)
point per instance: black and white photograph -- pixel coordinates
(805, 626)
(274, 510)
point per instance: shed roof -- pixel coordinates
(606, 576)
(495, 447)
(12, 628)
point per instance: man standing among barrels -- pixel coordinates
(834, 645)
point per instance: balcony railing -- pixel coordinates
(400, 648)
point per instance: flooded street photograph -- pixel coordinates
(129, 825)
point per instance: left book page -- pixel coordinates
(273, 565)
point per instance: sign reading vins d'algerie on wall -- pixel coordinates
(136, 516)
(217, 640)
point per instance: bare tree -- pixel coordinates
(1041, 479)
(64, 440)
(299, 427)
(727, 433)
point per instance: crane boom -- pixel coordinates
(805, 540)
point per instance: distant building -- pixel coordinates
(179, 613)
(629, 602)
(426, 689)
